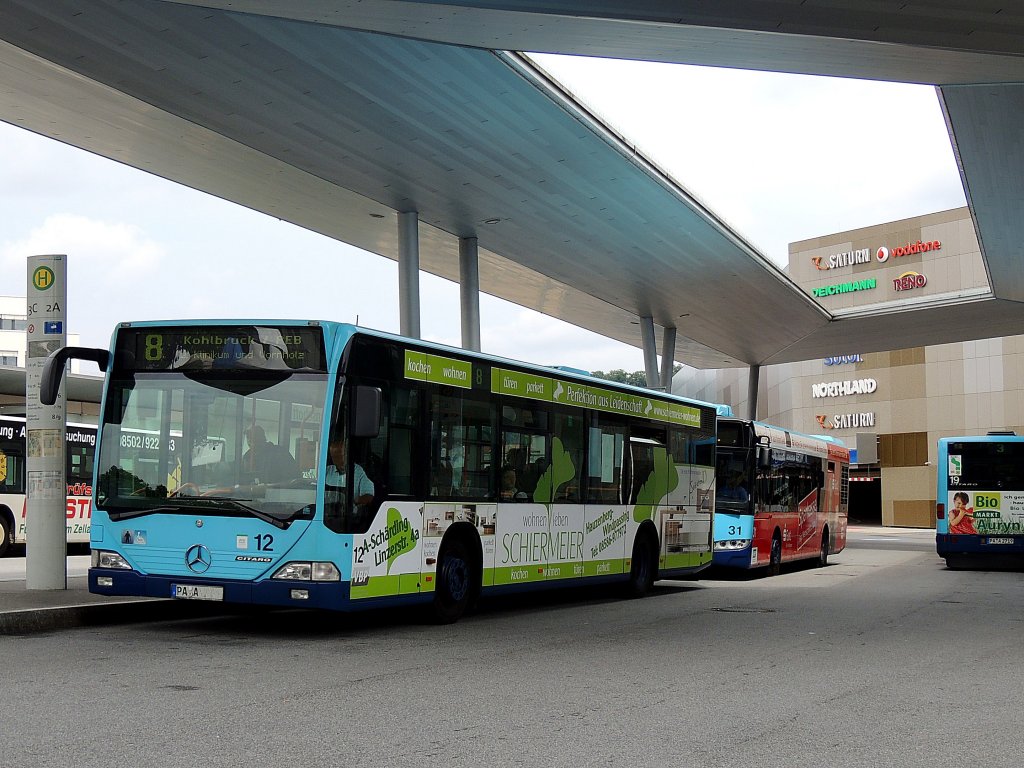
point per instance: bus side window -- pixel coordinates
(605, 474)
(462, 430)
(404, 425)
(567, 456)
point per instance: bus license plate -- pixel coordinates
(1000, 540)
(196, 592)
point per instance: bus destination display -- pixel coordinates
(277, 348)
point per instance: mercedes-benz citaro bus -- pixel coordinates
(782, 496)
(979, 502)
(325, 465)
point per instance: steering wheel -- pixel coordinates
(186, 489)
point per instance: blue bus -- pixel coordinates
(781, 496)
(326, 465)
(979, 502)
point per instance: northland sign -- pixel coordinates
(842, 388)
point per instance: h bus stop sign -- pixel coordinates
(46, 524)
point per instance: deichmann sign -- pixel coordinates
(845, 420)
(863, 255)
(842, 388)
(909, 280)
(855, 285)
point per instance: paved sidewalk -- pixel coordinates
(25, 611)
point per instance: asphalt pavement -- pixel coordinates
(25, 611)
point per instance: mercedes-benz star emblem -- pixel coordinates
(198, 558)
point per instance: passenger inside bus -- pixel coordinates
(509, 489)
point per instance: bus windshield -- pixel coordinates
(212, 435)
(732, 475)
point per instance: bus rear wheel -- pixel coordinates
(775, 558)
(823, 554)
(457, 583)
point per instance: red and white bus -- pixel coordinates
(779, 496)
(81, 447)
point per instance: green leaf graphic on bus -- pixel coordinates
(663, 480)
(555, 476)
(401, 536)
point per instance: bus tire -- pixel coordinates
(6, 534)
(823, 553)
(775, 558)
(643, 570)
(458, 581)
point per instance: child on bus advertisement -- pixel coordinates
(961, 519)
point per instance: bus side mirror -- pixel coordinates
(763, 458)
(53, 368)
(365, 412)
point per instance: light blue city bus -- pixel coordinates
(979, 502)
(325, 465)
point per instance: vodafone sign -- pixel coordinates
(883, 253)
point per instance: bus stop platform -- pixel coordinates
(28, 611)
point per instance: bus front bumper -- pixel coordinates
(292, 594)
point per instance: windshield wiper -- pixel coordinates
(220, 504)
(129, 513)
(257, 513)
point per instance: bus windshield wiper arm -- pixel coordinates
(130, 513)
(257, 513)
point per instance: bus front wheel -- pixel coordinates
(456, 583)
(5, 535)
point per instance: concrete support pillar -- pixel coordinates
(668, 357)
(409, 273)
(752, 382)
(650, 351)
(469, 292)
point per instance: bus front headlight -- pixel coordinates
(307, 571)
(101, 558)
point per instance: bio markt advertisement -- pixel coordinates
(986, 512)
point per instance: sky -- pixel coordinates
(780, 158)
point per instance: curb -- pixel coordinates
(34, 620)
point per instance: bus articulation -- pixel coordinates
(781, 496)
(81, 445)
(979, 502)
(402, 453)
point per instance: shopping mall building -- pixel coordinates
(889, 407)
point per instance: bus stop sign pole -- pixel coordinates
(46, 520)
